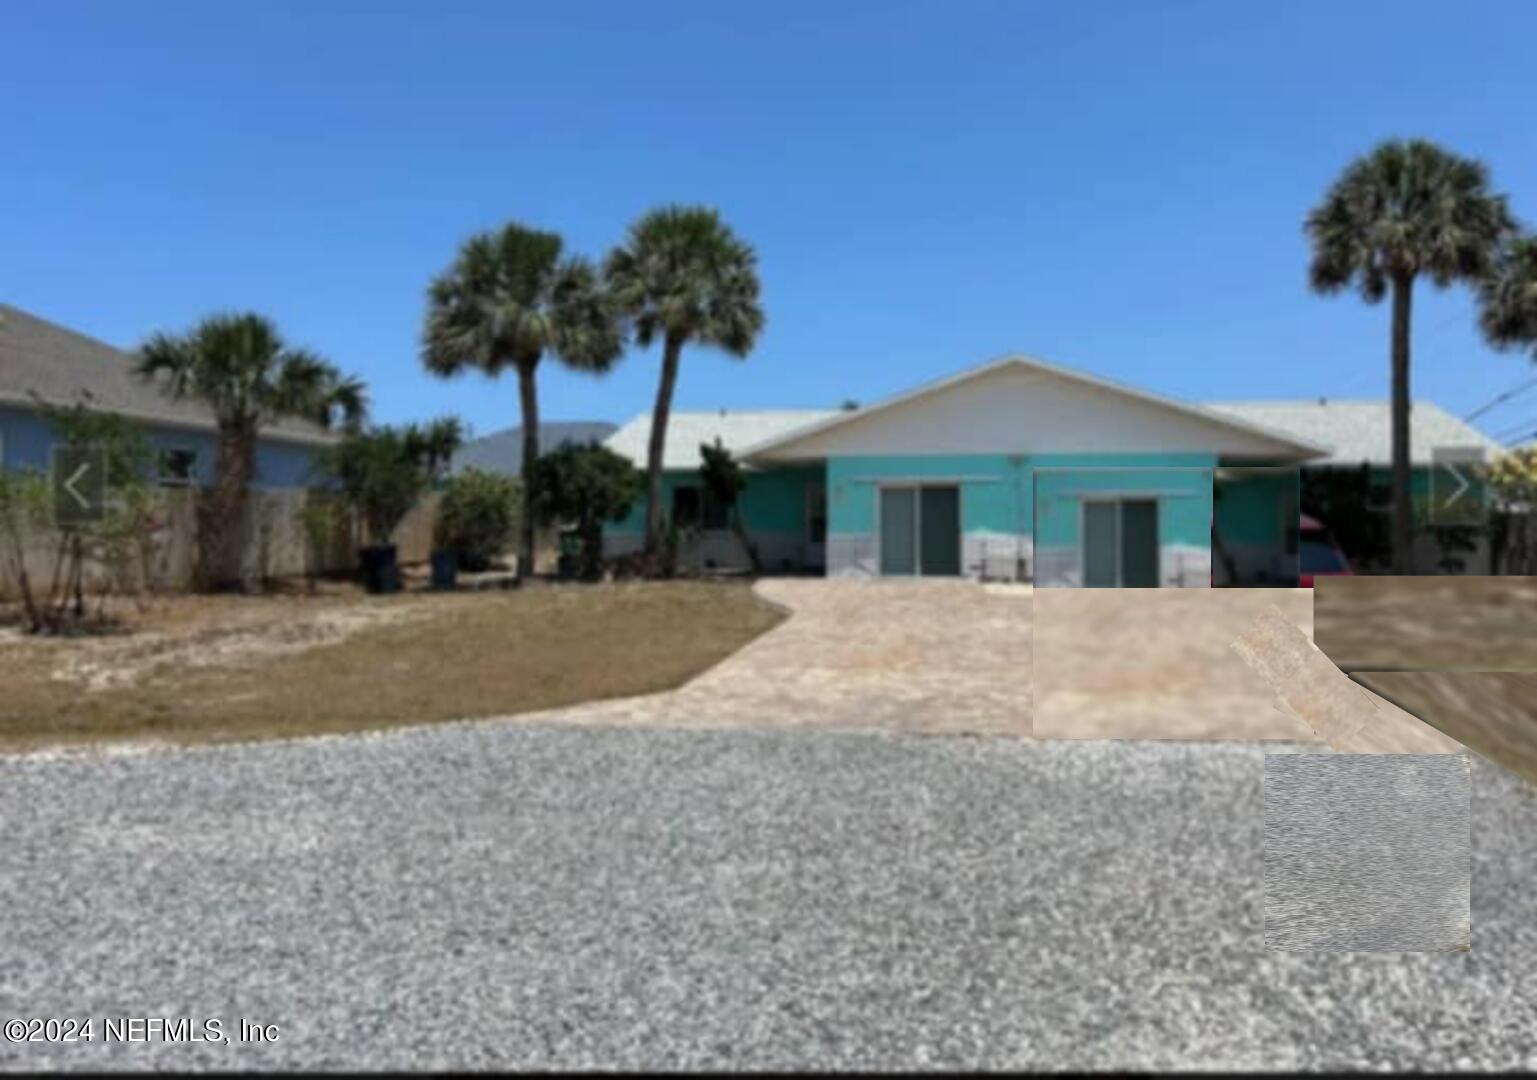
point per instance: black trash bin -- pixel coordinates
(380, 571)
(445, 569)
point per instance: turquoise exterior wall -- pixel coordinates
(27, 439)
(1256, 517)
(774, 500)
(1181, 481)
(1248, 509)
(1184, 500)
(1000, 493)
(1013, 505)
(995, 489)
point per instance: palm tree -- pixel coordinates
(239, 365)
(1508, 298)
(1407, 209)
(434, 444)
(682, 276)
(507, 300)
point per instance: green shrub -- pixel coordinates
(583, 487)
(382, 472)
(477, 517)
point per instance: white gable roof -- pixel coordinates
(1357, 431)
(736, 430)
(1018, 404)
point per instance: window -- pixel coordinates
(693, 507)
(178, 468)
(685, 507)
(816, 513)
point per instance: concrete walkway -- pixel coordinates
(923, 656)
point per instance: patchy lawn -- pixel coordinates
(220, 668)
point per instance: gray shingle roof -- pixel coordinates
(502, 451)
(1355, 431)
(1358, 431)
(63, 367)
(735, 429)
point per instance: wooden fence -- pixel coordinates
(274, 543)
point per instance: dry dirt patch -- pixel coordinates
(199, 668)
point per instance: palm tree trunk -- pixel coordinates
(1403, 511)
(528, 394)
(223, 509)
(672, 350)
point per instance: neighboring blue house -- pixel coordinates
(41, 360)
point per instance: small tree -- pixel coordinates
(1513, 477)
(723, 482)
(380, 474)
(24, 517)
(587, 486)
(117, 541)
(478, 517)
(434, 444)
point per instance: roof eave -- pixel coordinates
(184, 423)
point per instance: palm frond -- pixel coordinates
(681, 273)
(240, 366)
(1408, 208)
(491, 309)
(1508, 297)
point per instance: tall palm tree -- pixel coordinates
(1406, 210)
(682, 276)
(1508, 298)
(507, 301)
(239, 365)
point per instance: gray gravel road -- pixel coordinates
(498, 895)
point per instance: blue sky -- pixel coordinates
(1116, 186)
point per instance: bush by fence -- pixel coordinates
(274, 543)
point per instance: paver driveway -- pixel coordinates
(917, 656)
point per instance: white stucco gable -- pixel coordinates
(1019, 405)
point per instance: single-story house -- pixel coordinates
(42, 361)
(1019, 470)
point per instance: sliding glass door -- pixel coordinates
(1120, 543)
(920, 530)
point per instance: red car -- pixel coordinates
(1318, 554)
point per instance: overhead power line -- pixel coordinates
(1500, 399)
(1514, 429)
